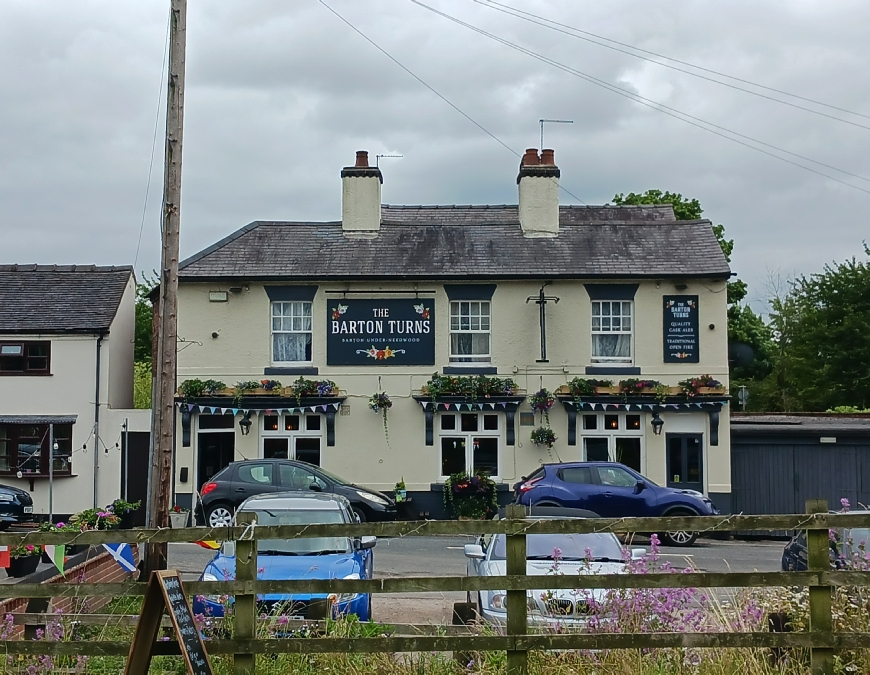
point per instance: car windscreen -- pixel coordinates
(301, 545)
(331, 476)
(564, 546)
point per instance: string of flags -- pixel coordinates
(220, 410)
(584, 405)
(463, 406)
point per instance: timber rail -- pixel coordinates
(820, 638)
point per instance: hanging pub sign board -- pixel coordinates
(388, 332)
(681, 329)
(165, 592)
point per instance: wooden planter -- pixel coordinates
(607, 391)
(289, 393)
(711, 391)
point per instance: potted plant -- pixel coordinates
(471, 386)
(381, 402)
(178, 517)
(126, 511)
(541, 401)
(700, 386)
(304, 388)
(23, 560)
(470, 497)
(544, 437)
(580, 386)
(196, 388)
(243, 388)
(401, 493)
(634, 387)
(95, 519)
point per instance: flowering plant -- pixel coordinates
(470, 385)
(381, 402)
(270, 385)
(580, 386)
(635, 386)
(544, 436)
(304, 387)
(542, 401)
(470, 496)
(179, 509)
(691, 385)
(195, 388)
(95, 519)
(120, 507)
(23, 550)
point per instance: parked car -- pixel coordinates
(16, 506)
(300, 558)
(221, 495)
(843, 545)
(597, 553)
(614, 491)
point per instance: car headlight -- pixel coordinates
(347, 597)
(369, 497)
(6, 497)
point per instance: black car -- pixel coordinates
(228, 488)
(16, 506)
(844, 545)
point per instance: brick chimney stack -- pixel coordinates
(538, 183)
(361, 196)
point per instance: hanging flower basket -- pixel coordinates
(542, 400)
(544, 437)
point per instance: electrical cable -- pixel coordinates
(435, 91)
(153, 142)
(492, 4)
(660, 107)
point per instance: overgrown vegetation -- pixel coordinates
(143, 341)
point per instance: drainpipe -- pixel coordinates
(97, 417)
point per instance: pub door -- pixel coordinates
(215, 451)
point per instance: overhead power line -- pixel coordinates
(551, 24)
(660, 107)
(434, 91)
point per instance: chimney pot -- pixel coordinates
(362, 158)
(548, 157)
(531, 157)
(361, 197)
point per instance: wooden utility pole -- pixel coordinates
(163, 406)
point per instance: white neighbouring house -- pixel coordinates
(66, 366)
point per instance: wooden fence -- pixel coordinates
(820, 639)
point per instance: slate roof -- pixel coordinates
(60, 298)
(469, 242)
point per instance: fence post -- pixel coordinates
(517, 608)
(821, 620)
(245, 608)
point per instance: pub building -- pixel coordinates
(389, 296)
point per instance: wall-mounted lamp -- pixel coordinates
(657, 424)
(245, 423)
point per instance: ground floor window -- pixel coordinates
(613, 437)
(27, 447)
(469, 442)
(292, 437)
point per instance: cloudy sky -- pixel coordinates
(280, 95)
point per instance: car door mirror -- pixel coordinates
(638, 553)
(367, 542)
(639, 487)
(474, 551)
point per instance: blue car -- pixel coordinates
(302, 558)
(612, 490)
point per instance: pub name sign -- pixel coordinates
(681, 329)
(393, 332)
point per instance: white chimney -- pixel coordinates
(539, 194)
(361, 196)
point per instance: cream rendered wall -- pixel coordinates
(362, 453)
(69, 390)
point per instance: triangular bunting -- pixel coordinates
(55, 553)
(446, 406)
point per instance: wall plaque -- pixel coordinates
(681, 344)
(388, 332)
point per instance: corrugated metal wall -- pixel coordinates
(777, 474)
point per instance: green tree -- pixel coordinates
(142, 350)
(744, 325)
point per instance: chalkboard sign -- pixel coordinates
(681, 329)
(165, 592)
(383, 332)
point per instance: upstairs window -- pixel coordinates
(25, 358)
(469, 331)
(611, 331)
(291, 332)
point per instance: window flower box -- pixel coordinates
(711, 391)
(607, 391)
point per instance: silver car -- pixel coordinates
(547, 554)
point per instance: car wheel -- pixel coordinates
(220, 515)
(679, 537)
(359, 513)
